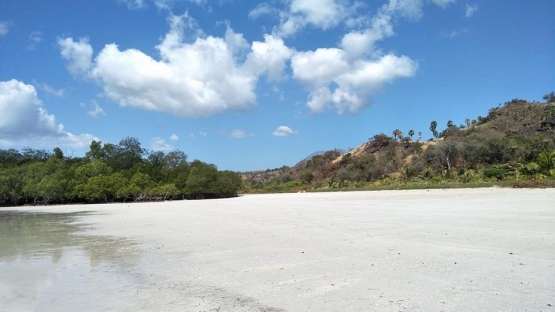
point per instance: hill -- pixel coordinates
(510, 143)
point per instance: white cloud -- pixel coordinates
(268, 57)
(280, 93)
(198, 78)
(322, 14)
(199, 75)
(443, 3)
(283, 131)
(134, 4)
(344, 80)
(263, 9)
(49, 89)
(4, 28)
(35, 39)
(454, 33)
(315, 68)
(203, 134)
(470, 10)
(159, 144)
(96, 110)
(174, 137)
(239, 134)
(24, 121)
(345, 77)
(78, 54)
(169, 4)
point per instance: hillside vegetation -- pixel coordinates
(514, 142)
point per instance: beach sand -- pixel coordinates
(418, 250)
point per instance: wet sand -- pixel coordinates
(437, 250)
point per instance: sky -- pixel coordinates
(253, 85)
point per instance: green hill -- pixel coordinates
(513, 142)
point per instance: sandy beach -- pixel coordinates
(420, 250)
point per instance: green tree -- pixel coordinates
(307, 176)
(229, 183)
(11, 186)
(165, 191)
(10, 158)
(129, 153)
(103, 188)
(411, 133)
(546, 162)
(58, 154)
(52, 187)
(433, 128)
(139, 184)
(442, 155)
(95, 151)
(550, 97)
(202, 180)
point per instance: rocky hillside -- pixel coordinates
(497, 146)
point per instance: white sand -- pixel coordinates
(437, 250)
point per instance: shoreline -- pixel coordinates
(453, 186)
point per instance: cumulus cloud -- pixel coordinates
(239, 134)
(77, 53)
(198, 78)
(470, 10)
(349, 88)
(321, 14)
(174, 137)
(345, 77)
(268, 57)
(328, 14)
(24, 120)
(158, 144)
(4, 28)
(201, 75)
(283, 131)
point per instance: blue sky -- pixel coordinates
(252, 85)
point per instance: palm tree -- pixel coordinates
(433, 127)
(411, 133)
(546, 161)
(397, 134)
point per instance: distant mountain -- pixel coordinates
(309, 157)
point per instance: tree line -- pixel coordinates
(109, 173)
